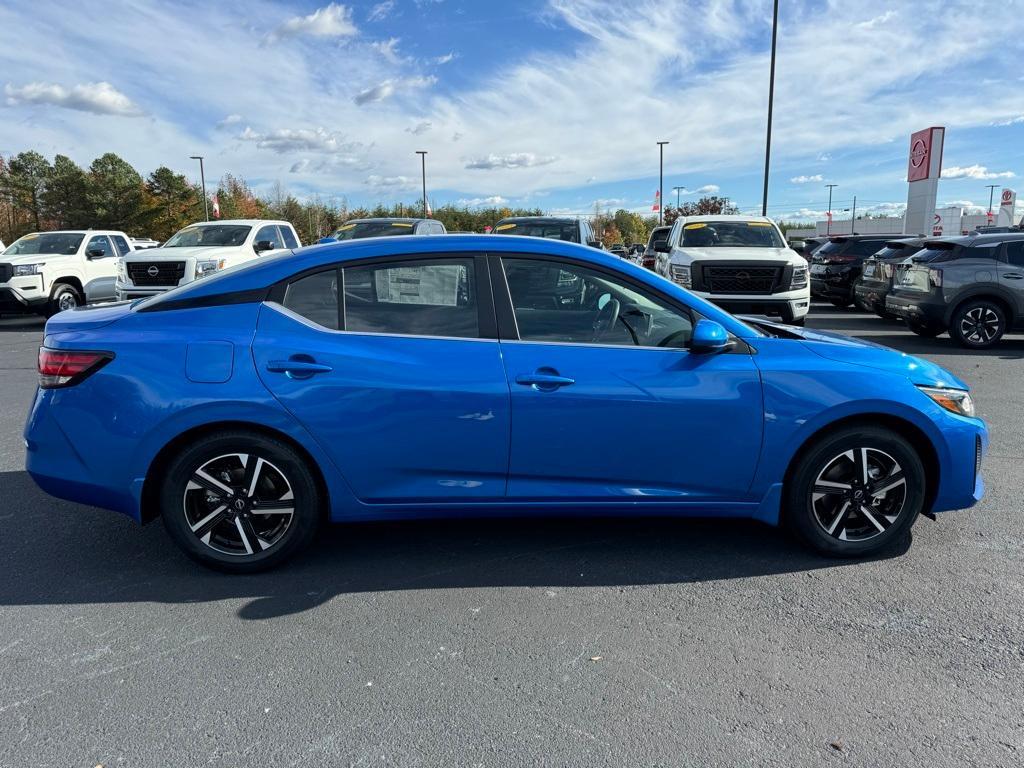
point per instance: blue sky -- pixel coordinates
(549, 103)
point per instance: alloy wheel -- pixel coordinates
(239, 504)
(979, 325)
(859, 494)
(67, 301)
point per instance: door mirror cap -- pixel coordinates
(95, 253)
(595, 244)
(661, 246)
(709, 338)
(263, 245)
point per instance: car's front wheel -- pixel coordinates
(240, 501)
(855, 492)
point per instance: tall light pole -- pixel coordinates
(423, 162)
(661, 181)
(853, 217)
(677, 190)
(991, 193)
(828, 226)
(771, 101)
(202, 180)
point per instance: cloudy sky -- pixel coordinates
(550, 103)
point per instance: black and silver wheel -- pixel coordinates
(978, 324)
(856, 492)
(64, 297)
(240, 502)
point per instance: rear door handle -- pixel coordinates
(544, 380)
(298, 369)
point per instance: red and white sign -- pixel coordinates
(1007, 197)
(216, 207)
(920, 155)
(657, 201)
(937, 226)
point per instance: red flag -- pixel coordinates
(657, 200)
(216, 207)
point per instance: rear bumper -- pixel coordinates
(924, 310)
(871, 295)
(839, 287)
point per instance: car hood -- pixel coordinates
(182, 254)
(725, 253)
(35, 258)
(844, 349)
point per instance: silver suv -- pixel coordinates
(971, 286)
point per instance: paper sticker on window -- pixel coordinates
(400, 224)
(435, 285)
(32, 236)
(697, 225)
(503, 227)
(346, 227)
(758, 224)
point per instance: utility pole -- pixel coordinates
(677, 190)
(661, 181)
(853, 217)
(771, 101)
(202, 180)
(828, 226)
(423, 161)
(991, 193)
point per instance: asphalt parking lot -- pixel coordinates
(584, 642)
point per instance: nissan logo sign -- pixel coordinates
(153, 271)
(918, 153)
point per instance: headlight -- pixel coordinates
(956, 400)
(681, 275)
(23, 270)
(122, 274)
(799, 279)
(208, 267)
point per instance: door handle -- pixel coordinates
(1014, 275)
(298, 367)
(544, 380)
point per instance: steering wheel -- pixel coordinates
(673, 336)
(607, 317)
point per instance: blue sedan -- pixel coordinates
(471, 375)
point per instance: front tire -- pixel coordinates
(978, 324)
(64, 297)
(240, 502)
(855, 492)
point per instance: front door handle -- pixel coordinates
(1014, 275)
(544, 380)
(298, 367)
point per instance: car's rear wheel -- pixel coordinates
(855, 492)
(924, 330)
(240, 501)
(978, 324)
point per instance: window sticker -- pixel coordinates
(695, 225)
(400, 224)
(346, 227)
(503, 227)
(435, 285)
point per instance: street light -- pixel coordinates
(677, 190)
(828, 226)
(771, 101)
(423, 162)
(202, 179)
(661, 181)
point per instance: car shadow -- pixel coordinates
(61, 553)
(21, 323)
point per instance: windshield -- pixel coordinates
(725, 234)
(551, 230)
(209, 235)
(357, 230)
(54, 243)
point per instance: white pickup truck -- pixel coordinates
(47, 272)
(200, 250)
(740, 263)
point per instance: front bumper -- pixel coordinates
(129, 292)
(789, 309)
(923, 309)
(23, 295)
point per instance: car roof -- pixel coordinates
(727, 217)
(249, 222)
(551, 219)
(976, 239)
(75, 232)
(404, 220)
(853, 238)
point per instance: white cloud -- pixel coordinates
(877, 21)
(978, 172)
(708, 189)
(388, 49)
(390, 183)
(99, 98)
(381, 11)
(806, 179)
(229, 120)
(968, 206)
(285, 140)
(333, 20)
(419, 129)
(478, 202)
(513, 160)
(1010, 121)
(388, 88)
(444, 59)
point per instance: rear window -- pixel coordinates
(551, 230)
(357, 230)
(730, 234)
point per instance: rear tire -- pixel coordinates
(855, 492)
(924, 330)
(839, 303)
(240, 502)
(978, 324)
(799, 322)
(64, 297)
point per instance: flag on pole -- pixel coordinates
(430, 211)
(216, 207)
(657, 201)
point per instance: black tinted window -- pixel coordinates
(563, 302)
(99, 243)
(552, 230)
(269, 234)
(1015, 253)
(289, 238)
(122, 245)
(416, 298)
(864, 247)
(315, 297)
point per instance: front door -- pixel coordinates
(100, 269)
(607, 402)
(401, 385)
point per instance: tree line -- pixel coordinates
(37, 195)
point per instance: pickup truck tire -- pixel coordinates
(64, 297)
(840, 302)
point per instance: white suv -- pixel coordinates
(740, 263)
(200, 250)
(46, 272)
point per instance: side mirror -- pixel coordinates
(263, 245)
(709, 338)
(661, 246)
(95, 253)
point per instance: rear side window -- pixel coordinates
(121, 244)
(415, 298)
(1015, 253)
(289, 238)
(315, 297)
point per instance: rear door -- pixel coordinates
(1011, 275)
(401, 382)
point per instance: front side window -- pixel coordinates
(558, 301)
(416, 298)
(99, 243)
(552, 230)
(730, 234)
(53, 243)
(315, 297)
(269, 234)
(209, 235)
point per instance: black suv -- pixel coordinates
(649, 257)
(972, 286)
(836, 265)
(876, 277)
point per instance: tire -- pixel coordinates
(799, 322)
(216, 528)
(830, 508)
(924, 330)
(978, 324)
(64, 297)
(838, 302)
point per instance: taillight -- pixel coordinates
(887, 271)
(935, 277)
(65, 368)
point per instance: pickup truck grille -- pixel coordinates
(156, 272)
(6, 272)
(737, 280)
